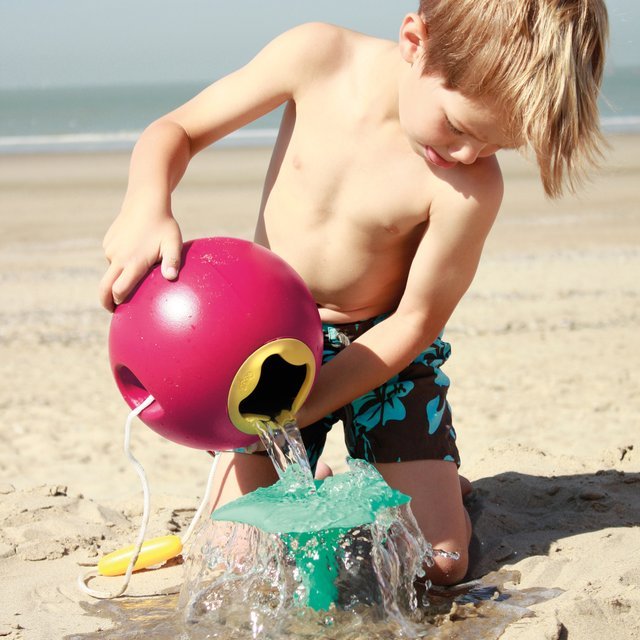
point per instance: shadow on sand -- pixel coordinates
(515, 515)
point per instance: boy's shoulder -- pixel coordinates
(311, 54)
(324, 36)
(321, 44)
(478, 187)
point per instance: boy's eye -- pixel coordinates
(452, 128)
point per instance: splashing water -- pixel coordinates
(283, 559)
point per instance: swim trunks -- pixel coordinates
(407, 418)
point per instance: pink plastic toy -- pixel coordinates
(235, 337)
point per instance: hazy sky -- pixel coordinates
(77, 42)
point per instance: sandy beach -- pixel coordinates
(545, 392)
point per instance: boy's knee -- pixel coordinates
(448, 571)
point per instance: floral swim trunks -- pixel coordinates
(407, 418)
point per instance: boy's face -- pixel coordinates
(442, 125)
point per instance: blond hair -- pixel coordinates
(539, 61)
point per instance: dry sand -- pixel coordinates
(545, 392)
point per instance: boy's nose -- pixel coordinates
(466, 152)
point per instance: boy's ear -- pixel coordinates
(413, 38)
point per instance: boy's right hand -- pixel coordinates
(132, 245)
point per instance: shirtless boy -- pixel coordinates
(382, 188)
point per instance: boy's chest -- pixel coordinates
(345, 173)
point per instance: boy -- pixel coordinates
(382, 188)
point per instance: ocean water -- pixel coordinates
(103, 118)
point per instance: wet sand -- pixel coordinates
(545, 371)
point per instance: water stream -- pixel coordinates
(283, 443)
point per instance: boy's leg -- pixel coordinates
(404, 428)
(436, 502)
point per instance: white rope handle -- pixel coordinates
(204, 503)
(84, 578)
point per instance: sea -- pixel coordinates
(108, 118)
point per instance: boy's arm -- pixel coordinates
(442, 270)
(145, 232)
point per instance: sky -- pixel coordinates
(87, 42)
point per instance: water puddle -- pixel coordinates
(315, 559)
(480, 610)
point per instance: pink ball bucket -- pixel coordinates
(237, 337)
